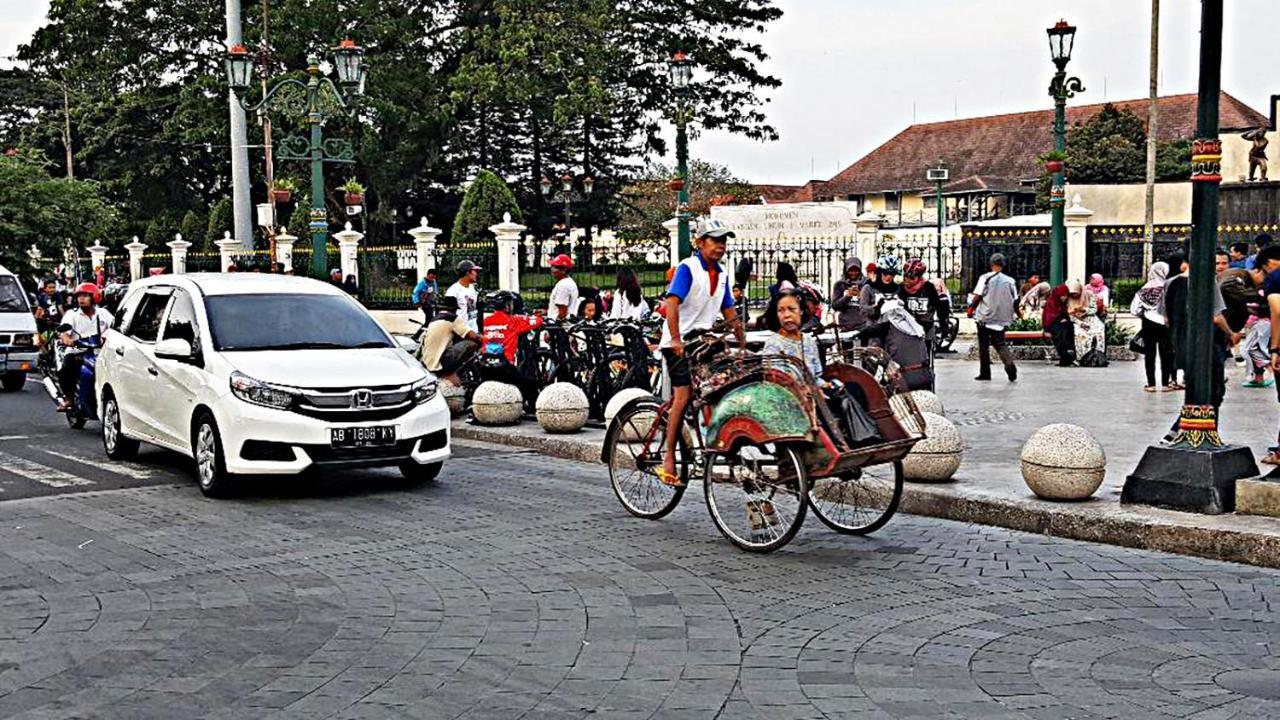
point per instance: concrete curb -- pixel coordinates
(1093, 521)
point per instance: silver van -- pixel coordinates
(17, 333)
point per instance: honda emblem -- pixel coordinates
(361, 399)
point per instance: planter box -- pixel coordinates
(282, 196)
(354, 198)
(1046, 353)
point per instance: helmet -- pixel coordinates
(562, 261)
(90, 289)
(500, 299)
(914, 268)
(813, 292)
(887, 264)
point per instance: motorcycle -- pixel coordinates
(84, 406)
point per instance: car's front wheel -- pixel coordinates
(211, 467)
(114, 442)
(417, 474)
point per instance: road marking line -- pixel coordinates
(42, 474)
(137, 473)
(15, 437)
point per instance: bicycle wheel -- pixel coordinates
(633, 451)
(757, 495)
(860, 501)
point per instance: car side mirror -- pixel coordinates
(175, 349)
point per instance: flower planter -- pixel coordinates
(1054, 166)
(354, 198)
(675, 184)
(282, 196)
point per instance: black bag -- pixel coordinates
(860, 429)
(1138, 344)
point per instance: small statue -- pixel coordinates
(1257, 153)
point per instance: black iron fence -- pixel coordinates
(1026, 252)
(819, 261)
(942, 259)
(1117, 251)
(595, 271)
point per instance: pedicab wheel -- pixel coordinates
(757, 495)
(633, 451)
(860, 501)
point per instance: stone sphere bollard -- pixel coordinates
(496, 403)
(620, 398)
(1063, 462)
(562, 408)
(455, 396)
(928, 402)
(937, 457)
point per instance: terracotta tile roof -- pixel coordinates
(777, 194)
(1006, 146)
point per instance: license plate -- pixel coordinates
(357, 437)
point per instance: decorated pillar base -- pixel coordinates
(1197, 472)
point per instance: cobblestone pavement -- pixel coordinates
(516, 587)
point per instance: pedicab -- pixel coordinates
(760, 437)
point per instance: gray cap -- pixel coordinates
(998, 259)
(851, 263)
(714, 229)
(467, 266)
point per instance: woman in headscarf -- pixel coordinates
(1148, 304)
(1099, 289)
(785, 279)
(1034, 299)
(898, 333)
(1057, 323)
(1089, 332)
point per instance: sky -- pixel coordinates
(856, 72)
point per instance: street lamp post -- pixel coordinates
(681, 71)
(317, 98)
(1061, 88)
(567, 195)
(1198, 471)
(939, 175)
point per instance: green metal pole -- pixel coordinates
(684, 245)
(938, 268)
(1206, 173)
(1058, 238)
(319, 218)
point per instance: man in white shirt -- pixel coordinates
(465, 292)
(87, 323)
(993, 307)
(563, 302)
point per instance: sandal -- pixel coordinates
(669, 479)
(1149, 388)
(1175, 385)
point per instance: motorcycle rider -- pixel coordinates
(922, 300)
(881, 286)
(86, 322)
(503, 329)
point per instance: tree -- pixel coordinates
(647, 203)
(37, 209)
(221, 221)
(300, 220)
(194, 228)
(486, 201)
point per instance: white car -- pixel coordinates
(17, 334)
(264, 374)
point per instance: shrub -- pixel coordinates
(487, 199)
(222, 219)
(194, 228)
(1122, 292)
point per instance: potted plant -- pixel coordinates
(1054, 161)
(675, 184)
(354, 191)
(282, 189)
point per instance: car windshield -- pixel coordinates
(291, 322)
(12, 298)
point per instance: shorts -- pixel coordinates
(677, 369)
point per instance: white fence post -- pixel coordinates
(868, 226)
(424, 239)
(135, 248)
(672, 227)
(227, 248)
(284, 249)
(98, 255)
(1076, 218)
(348, 245)
(178, 251)
(508, 236)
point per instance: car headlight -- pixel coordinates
(260, 393)
(423, 390)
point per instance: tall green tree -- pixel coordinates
(221, 221)
(46, 212)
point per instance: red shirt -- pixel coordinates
(503, 330)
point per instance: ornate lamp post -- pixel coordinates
(1198, 471)
(939, 175)
(1062, 88)
(317, 98)
(680, 69)
(567, 196)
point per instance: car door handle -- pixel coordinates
(119, 352)
(152, 371)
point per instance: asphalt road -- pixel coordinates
(516, 587)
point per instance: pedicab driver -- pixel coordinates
(699, 295)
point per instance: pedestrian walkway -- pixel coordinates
(995, 418)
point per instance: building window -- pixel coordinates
(892, 202)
